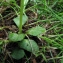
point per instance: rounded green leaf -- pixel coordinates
(35, 31)
(29, 45)
(17, 19)
(18, 54)
(14, 37)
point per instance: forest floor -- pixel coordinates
(47, 14)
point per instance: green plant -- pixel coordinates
(26, 44)
(49, 16)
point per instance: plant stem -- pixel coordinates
(21, 15)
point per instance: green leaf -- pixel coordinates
(17, 19)
(14, 37)
(25, 2)
(18, 54)
(29, 45)
(35, 31)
